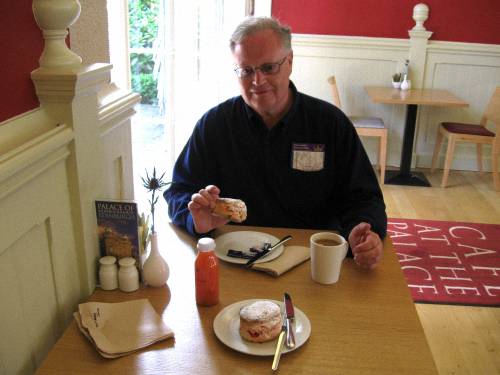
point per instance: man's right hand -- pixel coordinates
(201, 206)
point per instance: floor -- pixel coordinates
(464, 340)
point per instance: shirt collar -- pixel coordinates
(255, 118)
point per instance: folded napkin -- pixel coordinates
(118, 329)
(292, 256)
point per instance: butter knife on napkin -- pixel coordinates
(266, 252)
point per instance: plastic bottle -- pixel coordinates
(206, 273)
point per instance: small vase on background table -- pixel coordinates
(406, 84)
(155, 270)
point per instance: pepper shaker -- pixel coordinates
(128, 276)
(108, 273)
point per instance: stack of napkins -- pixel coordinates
(292, 256)
(118, 329)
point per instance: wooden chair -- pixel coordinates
(366, 127)
(475, 133)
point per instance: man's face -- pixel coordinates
(266, 94)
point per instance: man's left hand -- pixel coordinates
(366, 246)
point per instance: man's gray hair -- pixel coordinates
(253, 24)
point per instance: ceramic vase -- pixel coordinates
(406, 84)
(155, 269)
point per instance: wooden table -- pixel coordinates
(412, 99)
(364, 324)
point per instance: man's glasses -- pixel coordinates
(266, 69)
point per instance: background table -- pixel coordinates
(364, 324)
(412, 99)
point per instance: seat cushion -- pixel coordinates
(472, 129)
(367, 122)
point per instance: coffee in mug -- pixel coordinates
(328, 250)
(328, 242)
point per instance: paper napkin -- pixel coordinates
(118, 329)
(292, 256)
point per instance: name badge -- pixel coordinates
(308, 157)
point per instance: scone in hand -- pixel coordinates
(231, 209)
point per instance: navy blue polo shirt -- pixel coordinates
(309, 171)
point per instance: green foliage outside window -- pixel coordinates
(143, 27)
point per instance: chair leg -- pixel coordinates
(479, 155)
(449, 158)
(382, 157)
(437, 147)
(495, 153)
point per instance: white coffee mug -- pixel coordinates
(328, 250)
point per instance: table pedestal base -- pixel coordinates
(411, 179)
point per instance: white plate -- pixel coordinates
(244, 240)
(227, 325)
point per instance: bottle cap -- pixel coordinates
(107, 260)
(206, 244)
(126, 262)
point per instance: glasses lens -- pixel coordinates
(270, 68)
(267, 69)
(244, 72)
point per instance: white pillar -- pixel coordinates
(420, 15)
(54, 17)
(419, 37)
(82, 97)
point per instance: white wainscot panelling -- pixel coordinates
(39, 272)
(356, 62)
(116, 107)
(471, 72)
(29, 318)
(118, 176)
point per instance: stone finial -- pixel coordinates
(420, 15)
(54, 17)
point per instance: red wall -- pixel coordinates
(478, 21)
(450, 20)
(21, 45)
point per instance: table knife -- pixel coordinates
(266, 252)
(280, 345)
(290, 316)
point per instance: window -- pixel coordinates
(180, 63)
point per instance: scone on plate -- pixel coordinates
(260, 321)
(232, 209)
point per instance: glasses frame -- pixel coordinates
(238, 70)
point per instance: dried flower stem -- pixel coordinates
(154, 184)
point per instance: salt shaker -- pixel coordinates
(108, 273)
(128, 276)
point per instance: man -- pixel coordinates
(295, 160)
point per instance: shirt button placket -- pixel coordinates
(268, 160)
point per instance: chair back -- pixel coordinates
(492, 112)
(335, 91)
